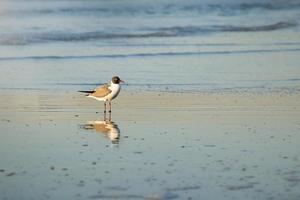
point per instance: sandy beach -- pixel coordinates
(210, 109)
(160, 146)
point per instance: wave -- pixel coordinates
(147, 54)
(106, 8)
(28, 38)
(192, 30)
(176, 31)
(237, 8)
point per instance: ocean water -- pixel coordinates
(179, 46)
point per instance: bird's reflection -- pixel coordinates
(108, 128)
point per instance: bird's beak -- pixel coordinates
(121, 81)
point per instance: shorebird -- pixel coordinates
(106, 92)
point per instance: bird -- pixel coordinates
(106, 92)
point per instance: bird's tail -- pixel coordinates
(88, 92)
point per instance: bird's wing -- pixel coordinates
(101, 91)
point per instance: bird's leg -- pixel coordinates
(109, 106)
(104, 111)
(109, 112)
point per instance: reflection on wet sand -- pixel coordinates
(108, 128)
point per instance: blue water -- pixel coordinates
(180, 46)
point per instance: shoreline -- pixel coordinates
(246, 91)
(128, 105)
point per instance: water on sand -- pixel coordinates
(231, 134)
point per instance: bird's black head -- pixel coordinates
(116, 80)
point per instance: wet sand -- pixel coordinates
(55, 145)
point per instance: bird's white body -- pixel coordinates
(115, 90)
